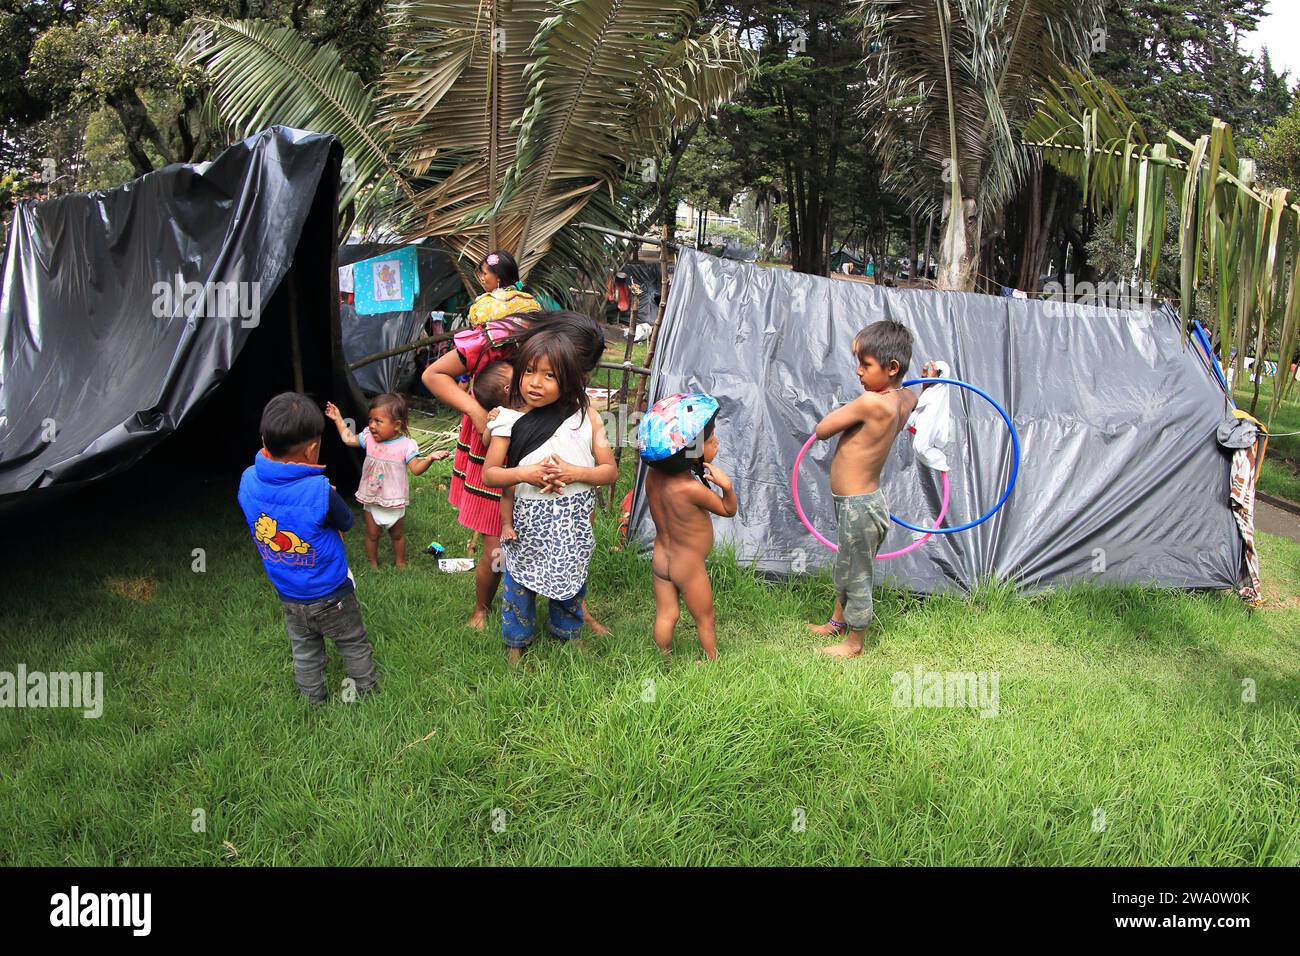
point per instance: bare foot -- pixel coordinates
(477, 620)
(843, 649)
(508, 532)
(374, 564)
(600, 630)
(824, 630)
(401, 564)
(514, 655)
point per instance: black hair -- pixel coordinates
(538, 424)
(560, 350)
(505, 269)
(492, 385)
(690, 458)
(395, 406)
(289, 421)
(583, 332)
(885, 342)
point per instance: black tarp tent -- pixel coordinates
(1121, 479)
(123, 310)
(369, 334)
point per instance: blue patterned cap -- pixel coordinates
(673, 423)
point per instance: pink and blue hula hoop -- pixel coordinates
(928, 532)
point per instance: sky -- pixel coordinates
(1280, 32)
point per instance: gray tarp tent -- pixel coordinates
(1116, 417)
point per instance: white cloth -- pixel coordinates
(931, 423)
(571, 442)
(385, 517)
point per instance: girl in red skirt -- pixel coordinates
(478, 507)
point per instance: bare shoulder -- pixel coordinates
(699, 494)
(875, 406)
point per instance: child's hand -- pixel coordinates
(332, 412)
(717, 476)
(437, 455)
(492, 415)
(558, 473)
(930, 370)
(533, 475)
(480, 420)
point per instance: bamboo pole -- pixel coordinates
(643, 386)
(389, 353)
(648, 240)
(444, 336)
(295, 340)
(622, 395)
(619, 366)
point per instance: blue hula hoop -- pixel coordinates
(1015, 457)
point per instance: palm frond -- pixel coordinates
(611, 80)
(1248, 235)
(999, 52)
(261, 75)
(457, 102)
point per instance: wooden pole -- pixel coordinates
(622, 395)
(647, 240)
(628, 366)
(389, 353)
(295, 342)
(643, 386)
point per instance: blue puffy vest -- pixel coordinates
(285, 505)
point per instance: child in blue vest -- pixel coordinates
(297, 520)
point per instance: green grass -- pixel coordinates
(1281, 472)
(1125, 700)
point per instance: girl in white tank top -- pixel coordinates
(553, 454)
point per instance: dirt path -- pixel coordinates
(1276, 521)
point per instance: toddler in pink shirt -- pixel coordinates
(390, 454)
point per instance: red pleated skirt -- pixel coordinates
(477, 506)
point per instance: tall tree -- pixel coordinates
(496, 125)
(1180, 64)
(62, 62)
(1236, 237)
(958, 78)
(797, 115)
(1278, 151)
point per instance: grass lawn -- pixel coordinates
(1281, 472)
(1120, 706)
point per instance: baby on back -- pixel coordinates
(492, 392)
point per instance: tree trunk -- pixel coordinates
(959, 250)
(137, 129)
(929, 236)
(911, 262)
(1045, 237)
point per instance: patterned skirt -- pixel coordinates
(478, 507)
(555, 544)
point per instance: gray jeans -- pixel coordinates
(340, 621)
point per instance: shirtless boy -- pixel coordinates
(867, 427)
(678, 442)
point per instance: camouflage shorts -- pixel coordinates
(863, 524)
